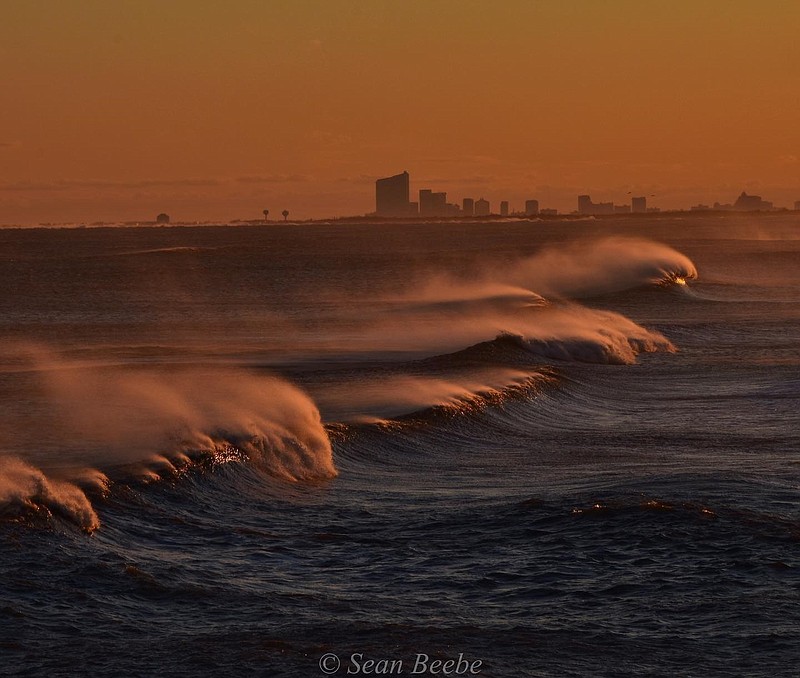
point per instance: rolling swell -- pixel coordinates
(122, 426)
(130, 428)
(588, 269)
(593, 337)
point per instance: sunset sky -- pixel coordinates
(217, 110)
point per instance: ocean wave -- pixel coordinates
(178, 249)
(613, 351)
(136, 425)
(26, 491)
(588, 269)
(578, 334)
(459, 402)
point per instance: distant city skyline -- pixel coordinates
(394, 194)
(393, 199)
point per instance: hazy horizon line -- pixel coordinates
(412, 220)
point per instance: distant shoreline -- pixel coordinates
(366, 220)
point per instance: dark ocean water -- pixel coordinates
(557, 448)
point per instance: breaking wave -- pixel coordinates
(141, 425)
(588, 269)
(579, 334)
(126, 424)
(26, 490)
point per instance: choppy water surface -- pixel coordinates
(562, 448)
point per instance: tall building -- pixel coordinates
(504, 208)
(432, 204)
(638, 204)
(468, 207)
(426, 202)
(439, 204)
(391, 196)
(482, 208)
(531, 208)
(586, 206)
(751, 203)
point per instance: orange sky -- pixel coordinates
(217, 110)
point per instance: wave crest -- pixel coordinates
(579, 334)
(25, 489)
(587, 269)
(140, 424)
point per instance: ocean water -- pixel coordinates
(555, 448)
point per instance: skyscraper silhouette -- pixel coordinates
(391, 196)
(531, 207)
